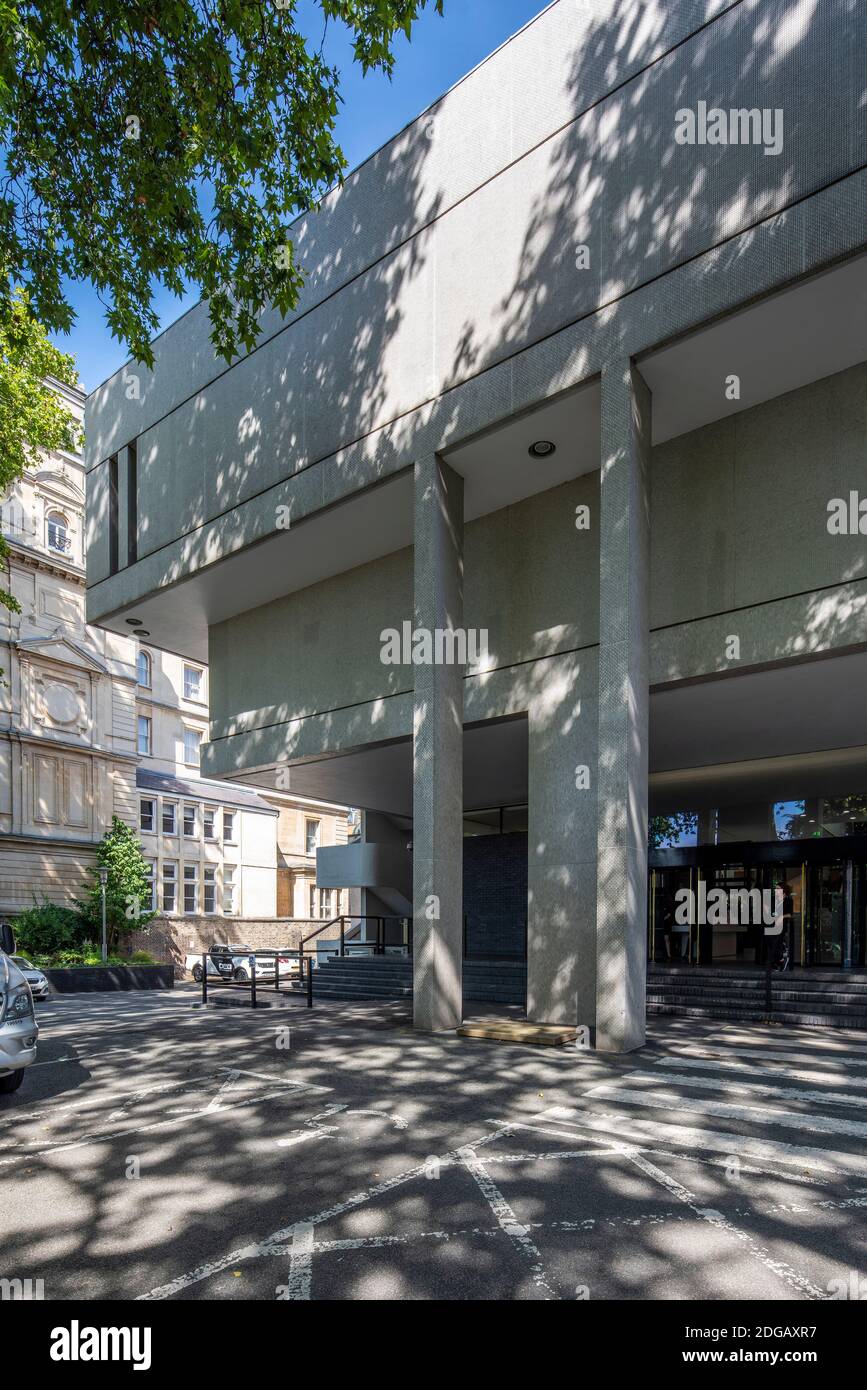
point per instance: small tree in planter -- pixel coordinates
(128, 888)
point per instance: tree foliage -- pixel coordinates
(667, 831)
(128, 890)
(170, 142)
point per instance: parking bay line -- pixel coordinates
(750, 1070)
(142, 1093)
(266, 1247)
(801, 1050)
(783, 1271)
(726, 1110)
(584, 1225)
(614, 1125)
(508, 1221)
(750, 1088)
(633, 1154)
(103, 1137)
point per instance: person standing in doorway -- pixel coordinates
(782, 946)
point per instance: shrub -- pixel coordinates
(46, 928)
(66, 958)
(142, 958)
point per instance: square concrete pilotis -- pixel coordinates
(438, 751)
(561, 901)
(624, 588)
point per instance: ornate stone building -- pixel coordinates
(95, 723)
(68, 699)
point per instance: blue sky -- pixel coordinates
(441, 52)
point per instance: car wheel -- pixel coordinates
(197, 974)
(241, 974)
(10, 1083)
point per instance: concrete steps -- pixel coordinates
(363, 977)
(827, 999)
(390, 977)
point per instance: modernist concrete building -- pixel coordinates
(581, 364)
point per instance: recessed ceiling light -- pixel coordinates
(134, 622)
(140, 632)
(542, 449)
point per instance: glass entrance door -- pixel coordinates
(826, 914)
(825, 935)
(859, 916)
(669, 942)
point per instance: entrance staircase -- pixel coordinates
(819, 998)
(390, 977)
(823, 998)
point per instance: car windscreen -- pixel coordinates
(22, 963)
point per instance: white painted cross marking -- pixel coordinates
(517, 1233)
(301, 1262)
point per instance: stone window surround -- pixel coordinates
(216, 885)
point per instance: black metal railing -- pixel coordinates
(241, 979)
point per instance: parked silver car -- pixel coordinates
(18, 1030)
(36, 980)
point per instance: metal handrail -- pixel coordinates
(351, 934)
(325, 925)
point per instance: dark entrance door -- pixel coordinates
(827, 906)
(826, 881)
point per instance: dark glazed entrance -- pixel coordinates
(826, 881)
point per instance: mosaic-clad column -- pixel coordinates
(624, 585)
(438, 752)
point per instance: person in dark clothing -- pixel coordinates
(782, 944)
(670, 937)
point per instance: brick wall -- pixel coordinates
(495, 893)
(170, 939)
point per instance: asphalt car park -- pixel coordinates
(158, 1150)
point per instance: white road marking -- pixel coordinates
(587, 1224)
(300, 1263)
(655, 1133)
(782, 1270)
(302, 1135)
(279, 1238)
(747, 1087)
(828, 1078)
(99, 1102)
(727, 1110)
(105, 1137)
(849, 1054)
(605, 1144)
(514, 1229)
(192, 1083)
(397, 1120)
(228, 1084)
